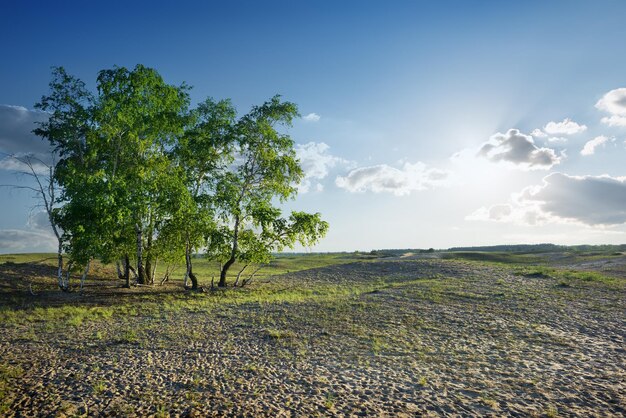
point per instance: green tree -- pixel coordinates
(139, 172)
(264, 170)
(140, 118)
(204, 151)
(119, 181)
(69, 105)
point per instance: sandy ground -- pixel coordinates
(438, 337)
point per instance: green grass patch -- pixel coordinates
(565, 277)
(63, 315)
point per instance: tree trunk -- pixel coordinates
(82, 279)
(141, 274)
(239, 275)
(120, 275)
(154, 267)
(148, 272)
(148, 269)
(225, 267)
(66, 285)
(249, 279)
(127, 271)
(187, 265)
(189, 274)
(233, 254)
(60, 270)
(166, 277)
(194, 279)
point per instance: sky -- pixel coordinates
(424, 123)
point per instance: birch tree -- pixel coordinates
(69, 105)
(140, 117)
(46, 189)
(265, 171)
(202, 153)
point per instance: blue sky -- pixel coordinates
(411, 106)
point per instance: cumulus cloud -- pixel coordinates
(588, 200)
(514, 212)
(398, 181)
(565, 127)
(316, 162)
(590, 146)
(614, 102)
(312, 117)
(538, 133)
(520, 150)
(614, 120)
(592, 200)
(16, 125)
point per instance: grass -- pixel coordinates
(329, 402)
(432, 321)
(277, 334)
(8, 375)
(566, 277)
(537, 266)
(99, 387)
(41, 258)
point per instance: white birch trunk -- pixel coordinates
(84, 276)
(66, 284)
(140, 277)
(60, 269)
(239, 275)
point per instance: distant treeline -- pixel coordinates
(542, 248)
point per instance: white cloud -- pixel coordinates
(590, 146)
(519, 150)
(37, 237)
(538, 133)
(592, 200)
(316, 162)
(614, 120)
(16, 126)
(513, 212)
(565, 127)
(613, 102)
(17, 163)
(312, 117)
(16, 240)
(588, 200)
(384, 178)
(557, 140)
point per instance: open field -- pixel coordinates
(463, 333)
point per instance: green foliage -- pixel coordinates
(265, 169)
(143, 173)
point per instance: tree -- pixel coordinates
(140, 118)
(46, 189)
(204, 151)
(69, 105)
(264, 169)
(139, 172)
(117, 177)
